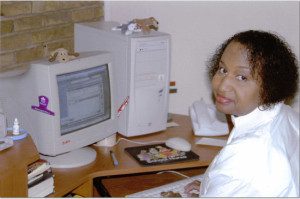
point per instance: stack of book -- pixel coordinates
(40, 179)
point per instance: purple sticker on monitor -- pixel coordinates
(43, 103)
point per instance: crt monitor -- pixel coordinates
(64, 106)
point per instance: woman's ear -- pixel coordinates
(52, 58)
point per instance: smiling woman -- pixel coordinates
(252, 74)
(270, 60)
(235, 89)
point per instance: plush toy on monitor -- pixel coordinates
(62, 55)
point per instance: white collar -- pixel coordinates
(244, 124)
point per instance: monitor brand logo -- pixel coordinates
(66, 142)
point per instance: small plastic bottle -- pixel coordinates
(16, 127)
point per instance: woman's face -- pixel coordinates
(235, 89)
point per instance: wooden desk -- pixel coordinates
(121, 186)
(80, 180)
(13, 167)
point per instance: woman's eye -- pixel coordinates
(241, 77)
(222, 70)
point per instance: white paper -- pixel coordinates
(211, 141)
(172, 124)
(207, 121)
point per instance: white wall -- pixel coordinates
(198, 27)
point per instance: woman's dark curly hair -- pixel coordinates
(271, 58)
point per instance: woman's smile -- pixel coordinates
(223, 100)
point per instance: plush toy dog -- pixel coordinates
(62, 55)
(147, 24)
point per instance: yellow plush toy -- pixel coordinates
(62, 55)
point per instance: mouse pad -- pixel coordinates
(156, 154)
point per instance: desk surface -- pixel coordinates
(67, 180)
(13, 167)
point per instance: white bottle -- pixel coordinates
(16, 127)
(2, 122)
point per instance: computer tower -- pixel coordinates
(142, 65)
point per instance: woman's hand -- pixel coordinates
(192, 189)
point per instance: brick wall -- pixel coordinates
(27, 25)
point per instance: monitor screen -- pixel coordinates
(84, 98)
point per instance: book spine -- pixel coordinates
(40, 178)
(37, 168)
(42, 189)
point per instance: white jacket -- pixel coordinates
(261, 158)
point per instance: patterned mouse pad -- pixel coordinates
(156, 154)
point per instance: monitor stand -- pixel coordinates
(75, 158)
(107, 142)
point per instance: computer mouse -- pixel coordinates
(178, 143)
